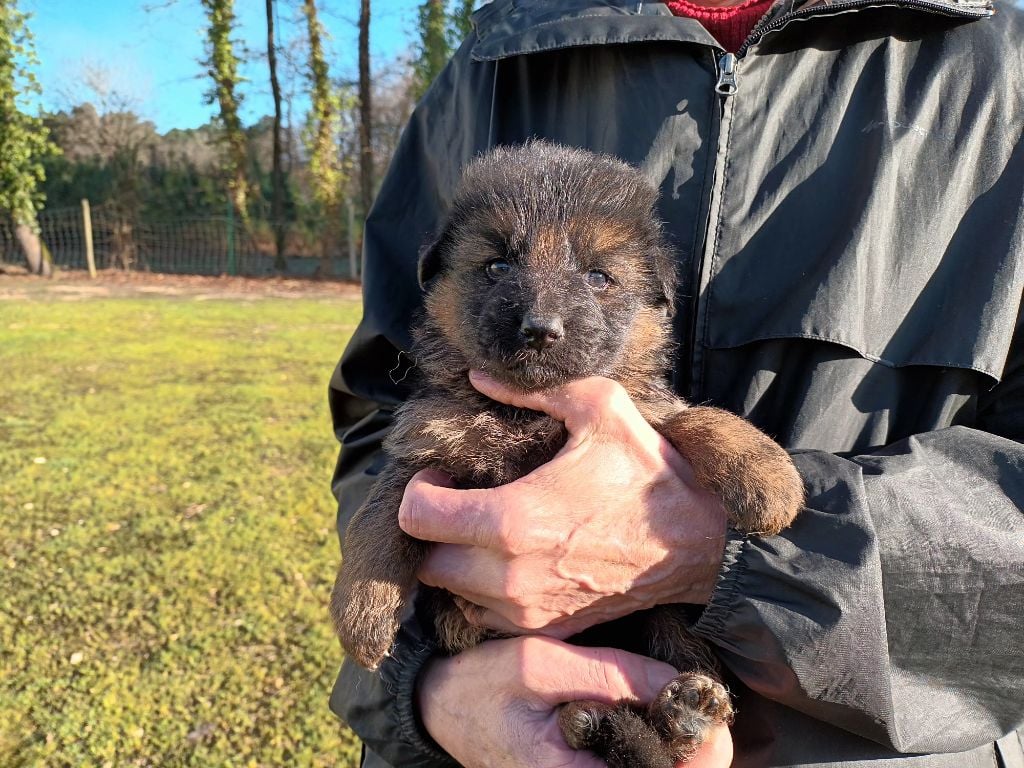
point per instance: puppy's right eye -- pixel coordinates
(497, 268)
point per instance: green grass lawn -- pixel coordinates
(168, 544)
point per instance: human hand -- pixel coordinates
(613, 524)
(497, 704)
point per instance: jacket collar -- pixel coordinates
(512, 27)
(507, 28)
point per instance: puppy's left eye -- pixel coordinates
(598, 280)
(497, 268)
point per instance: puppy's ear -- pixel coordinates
(431, 261)
(665, 275)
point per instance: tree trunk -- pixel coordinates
(366, 180)
(223, 68)
(324, 159)
(32, 247)
(434, 47)
(277, 177)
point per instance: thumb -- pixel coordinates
(579, 404)
(558, 673)
(716, 752)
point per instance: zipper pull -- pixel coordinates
(727, 85)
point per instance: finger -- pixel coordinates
(563, 756)
(478, 577)
(716, 752)
(462, 569)
(436, 477)
(585, 406)
(558, 673)
(465, 570)
(435, 511)
(482, 577)
(479, 616)
(578, 404)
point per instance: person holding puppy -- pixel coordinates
(844, 194)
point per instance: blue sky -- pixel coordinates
(150, 50)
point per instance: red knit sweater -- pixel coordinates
(729, 26)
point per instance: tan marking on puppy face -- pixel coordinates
(550, 247)
(649, 331)
(611, 236)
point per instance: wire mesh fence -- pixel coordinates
(200, 246)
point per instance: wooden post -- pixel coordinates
(90, 256)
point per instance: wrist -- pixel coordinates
(728, 588)
(424, 694)
(701, 524)
(431, 700)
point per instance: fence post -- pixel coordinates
(90, 255)
(231, 238)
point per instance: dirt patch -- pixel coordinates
(71, 285)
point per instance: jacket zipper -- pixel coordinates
(727, 84)
(972, 9)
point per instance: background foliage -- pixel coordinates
(24, 140)
(168, 543)
(104, 150)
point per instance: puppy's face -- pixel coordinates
(550, 267)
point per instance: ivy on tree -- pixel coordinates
(321, 135)
(24, 141)
(441, 30)
(222, 65)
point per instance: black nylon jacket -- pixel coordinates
(850, 233)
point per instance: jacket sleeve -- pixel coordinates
(894, 606)
(370, 380)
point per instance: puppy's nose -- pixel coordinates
(541, 331)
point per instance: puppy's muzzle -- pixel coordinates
(541, 331)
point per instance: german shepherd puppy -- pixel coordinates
(552, 266)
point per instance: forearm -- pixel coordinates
(891, 607)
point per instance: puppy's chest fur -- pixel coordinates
(481, 444)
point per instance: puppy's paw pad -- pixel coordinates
(687, 709)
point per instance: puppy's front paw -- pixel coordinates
(365, 615)
(686, 711)
(752, 474)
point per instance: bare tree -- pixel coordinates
(106, 129)
(277, 177)
(322, 137)
(366, 179)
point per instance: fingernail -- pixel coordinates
(476, 375)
